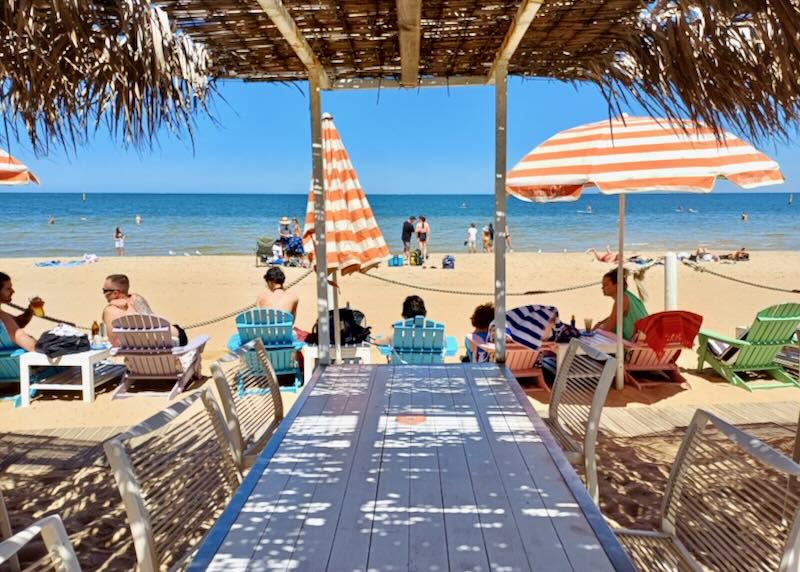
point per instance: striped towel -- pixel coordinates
(526, 325)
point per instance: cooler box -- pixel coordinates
(396, 261)
(448, 262)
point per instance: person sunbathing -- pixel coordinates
(606, 256)
(275, 296)
(632, 307)
(738, 256)
(413, 306)
(120, 302)
(702, 254)
(14, 324)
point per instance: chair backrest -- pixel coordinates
(176, 472)
(6, 343)
(9, 356)
(60, 554)
(772, 329)
(418, 340)
(250, 397)
(579, 393)
(273, 327)
(143, 332)
(727, 500)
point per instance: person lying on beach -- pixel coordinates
(738, 256)
(275, 296)
(606, 256)
(413, 306)
(702, 254)
(632, 307)
(120, 302)
(14, 324)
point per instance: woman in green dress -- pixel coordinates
(633, 309)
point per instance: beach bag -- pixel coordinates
(350, 326)
(564, 333)
(415, 258)
(448, 262)
(55, 344)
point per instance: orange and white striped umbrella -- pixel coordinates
(354, 240)
(12, 172)
(637, 154)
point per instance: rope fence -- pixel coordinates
(699, 268)
(482, 294)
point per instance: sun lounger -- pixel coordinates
(657, 342)
(60, 554)
(576, 404)
(756, 351)
(419, 341)
(176, 472)
(150, 353)
(250, 399)
(520, 360)
(726, 506)
(276, 331)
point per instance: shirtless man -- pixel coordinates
(14, 324)
(275, 296)
(120, 303)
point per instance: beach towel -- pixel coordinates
(85, 259)
(527, 325)
(665, 328)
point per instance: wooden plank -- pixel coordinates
(522, 21)
(529, 514)
(351, 540)
(389, 83)
(409, 13)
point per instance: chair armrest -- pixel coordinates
(193, 345)
(385, 350)
(450, 346)
(708, 335)
(55, 538)
(298, 345)
(642, 533)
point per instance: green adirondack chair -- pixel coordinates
(773, 328)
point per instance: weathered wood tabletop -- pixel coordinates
(441, 467)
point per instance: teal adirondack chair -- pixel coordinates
(419, 341)
(9, 363)
(275, 329)
(773, 328)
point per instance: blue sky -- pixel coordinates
(400, 142)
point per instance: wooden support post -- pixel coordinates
(500, 88)
(320, 254)
(409, 13)
(620, 381)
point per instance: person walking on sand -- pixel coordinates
(296, 230)
(486, 240)
(472, 238)
(119, 241)
(408, 232)
(423, 236)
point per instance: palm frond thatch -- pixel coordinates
(69, 66)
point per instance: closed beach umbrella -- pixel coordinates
(354, 242)
(636, 155)
(12, 172)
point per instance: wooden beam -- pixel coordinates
(409, 13)
(500, 231)
(522, 20)
(391, 83)
(280, 16)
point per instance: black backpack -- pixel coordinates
(352, 332)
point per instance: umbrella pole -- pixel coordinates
(337, 329)
(620, 294)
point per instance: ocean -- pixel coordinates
(230, 224)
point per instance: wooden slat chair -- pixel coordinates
(641, 357)
(419, 341)
(789, 358)
(576, 404)
(11, 561)
(151, 354)
(250, 398)
(276, 330)
(773, 328)
(60, 553)
(726, 506)
(176, 472)
(521, 361)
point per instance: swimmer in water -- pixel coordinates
(51, 219)
(137, 219)
(745, 216)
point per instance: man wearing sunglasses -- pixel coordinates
(120, 303)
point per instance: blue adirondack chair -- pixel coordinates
(419, 341)
(9, 363)
(274, 329)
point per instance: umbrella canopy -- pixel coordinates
(354, 240)
(634, 155)
(637, 154)
(12, 172)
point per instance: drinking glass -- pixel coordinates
(37, 306)
(587, 324)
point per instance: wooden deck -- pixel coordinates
(412, 468)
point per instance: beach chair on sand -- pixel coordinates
(151, 354)
(520, 360)
(275, 329)
(756, 351)
(9, 363)
(250, 399)
(176, 472)
(576, 404)
(263, 250)
(60, 553)
(656, 344)
(726, 506)
(418, 341)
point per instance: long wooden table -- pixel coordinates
(428, 468)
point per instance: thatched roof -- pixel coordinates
(719, 61)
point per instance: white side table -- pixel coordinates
(311, 354)
(89, 378)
